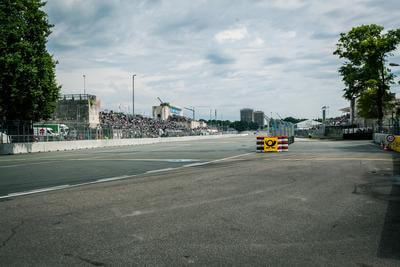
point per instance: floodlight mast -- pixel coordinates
(268, 122)
(133, 94)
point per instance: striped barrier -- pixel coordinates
(272, 143)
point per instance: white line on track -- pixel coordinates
(160, 170)
(54, 188)
(101, 159)
(32, 163)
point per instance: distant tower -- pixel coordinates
(259, 118)
(324, 108)
(247, 114)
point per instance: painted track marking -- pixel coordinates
(117, 178)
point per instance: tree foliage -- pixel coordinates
(366, 104)
(244, 126)
(237, 125)
(365, 49)
(28, 88)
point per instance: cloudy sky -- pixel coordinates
(272, 55)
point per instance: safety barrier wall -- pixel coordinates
(381, 139)
(20, 148)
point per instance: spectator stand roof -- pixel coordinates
(308, 124)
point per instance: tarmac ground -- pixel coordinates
(208, 202)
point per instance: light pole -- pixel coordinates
(395, 122)
(84, 84)
(133, 94)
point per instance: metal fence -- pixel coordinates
(281, 128)
(26, 131)
(356, 131)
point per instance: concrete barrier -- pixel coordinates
(380, 138)
(272, 143)
(21, 148)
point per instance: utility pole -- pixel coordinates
(84, 84)
(215, 114)
(133, 94)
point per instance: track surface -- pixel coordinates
(322, 203)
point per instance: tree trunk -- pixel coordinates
(379, 105)
(381, 91)
(352, 111)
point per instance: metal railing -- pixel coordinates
(24, 131)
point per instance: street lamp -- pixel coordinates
(84, 84)
(395, 122)
(133, 94)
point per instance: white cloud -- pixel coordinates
(257, 42)
(232, 35)
(223, 54)
(190, 65)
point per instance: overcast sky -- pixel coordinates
(273, 55)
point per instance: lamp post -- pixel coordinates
(395, 122)
(84, 84)
(133, 94)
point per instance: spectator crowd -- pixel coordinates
(338, 121)
(137, 126)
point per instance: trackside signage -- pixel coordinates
(395, 144)
(270, 144)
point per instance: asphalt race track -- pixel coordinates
(209, 202)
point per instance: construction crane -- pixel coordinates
(159, 99)
(192, 110)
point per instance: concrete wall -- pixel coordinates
(19, 148)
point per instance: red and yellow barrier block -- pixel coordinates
(272, 143)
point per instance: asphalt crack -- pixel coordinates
(92, 262)
(13, 232)
(89, 261)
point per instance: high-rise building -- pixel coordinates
(259, 118)
(246, 114)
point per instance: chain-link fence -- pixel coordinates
(355, 132)
(281, 128)
(26, 131)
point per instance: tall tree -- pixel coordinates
(353, 81)
(367, 102)
(366, 49)
(28, 88)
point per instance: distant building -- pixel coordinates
(165, 110)
(80, 109)
(197, 124)
(307, 124)
(247, 114)
(258, 117)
